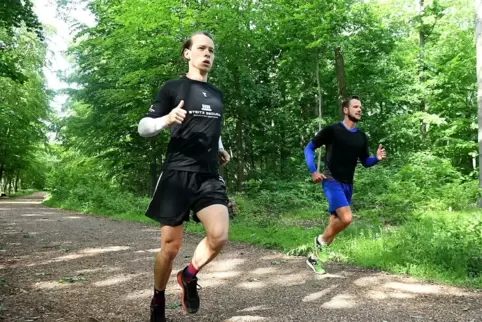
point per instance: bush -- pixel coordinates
(425, 182)
(80, 183)
(442, 245)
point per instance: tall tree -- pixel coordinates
(340, 76)
(478, 36)
(421, 9)
(13, 15)
(24, 107)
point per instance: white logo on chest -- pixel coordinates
(205, 95)
(206, 108)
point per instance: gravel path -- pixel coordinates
(62, 266)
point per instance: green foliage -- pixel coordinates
(434, 245)
(423, 182)
(15, 14)
(24, 111)
(81, 183)
(443, 246)
(388, 193)
(273, 97)
(282, 195)
(23, 192)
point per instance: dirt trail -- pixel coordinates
(62, 266)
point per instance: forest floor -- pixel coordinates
(57, 265)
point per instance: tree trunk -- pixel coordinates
(250, 149)
(240, 150)
(320, 104)
(478, 37)
(283, 153)
(340, 77)
(1, 173)
(10, 186)
(423, 107)
(252, 159)
(15, 185)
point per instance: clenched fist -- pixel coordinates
(224, 157)
(381, 154)
(317, 177)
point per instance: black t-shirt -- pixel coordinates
(194, 143)
(343, 149)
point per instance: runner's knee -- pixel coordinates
(346, 219)
(217, 239)
(345, 216)
(170, 249)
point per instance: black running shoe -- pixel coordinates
(190, 298)
(158, 314)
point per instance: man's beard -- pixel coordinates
(353, 119)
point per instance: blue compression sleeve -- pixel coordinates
(369, 162)
(310, 156)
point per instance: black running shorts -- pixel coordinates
(178, 192)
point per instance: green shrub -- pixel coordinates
(424, 182)
(80, 183)
(446, 246)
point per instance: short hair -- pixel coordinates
(346, 101)
(188, 42)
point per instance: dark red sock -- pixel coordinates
(159, 297)
(190, 272)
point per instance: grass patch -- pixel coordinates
(438, 246)
(22, 193)
(135, 214)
